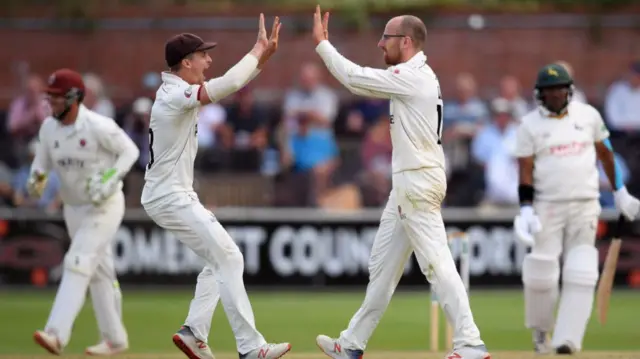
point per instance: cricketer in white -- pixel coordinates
(169, 199)
(412, 220)
(90, 154)
(557, 147)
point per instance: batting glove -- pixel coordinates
(102, 185)
(526, 225)
(36, 183)
(627, 204)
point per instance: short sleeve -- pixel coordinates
(525, 146)
(600, 130)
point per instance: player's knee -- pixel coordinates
(540, 272)
(79, 263)
(581, 266)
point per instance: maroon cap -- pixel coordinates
(180, 46)
(62, 81)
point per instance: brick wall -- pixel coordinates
(121, 57)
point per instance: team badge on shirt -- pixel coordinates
(188, 92)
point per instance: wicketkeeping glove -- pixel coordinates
(526, 224)
(36, 183)
(627, 204)
(102, 185)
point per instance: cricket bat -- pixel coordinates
(605, 286)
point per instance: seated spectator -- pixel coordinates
(365, 113)
(136, 125)
(488, 140)
(314, 151)
(49, 201)
(27, 111)
(510, 91)
(606, 192)
(578, 94)
(245, 133)
(210, 120)
(622, 104)
(494, 147)
(376, 159)
(95, 96)
(6, 187)
(463, 116)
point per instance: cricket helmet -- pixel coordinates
(67, 83)
(553, 76)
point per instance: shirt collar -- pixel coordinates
(417, 60)
(172, 79)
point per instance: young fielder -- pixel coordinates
(558, 145)
(90, 154)
(169, 199)
(411, 221)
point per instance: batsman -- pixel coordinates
(558, 145)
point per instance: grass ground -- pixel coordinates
(151, 318)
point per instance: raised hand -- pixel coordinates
(267, 46)
(320, 25)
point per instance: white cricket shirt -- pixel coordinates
(416, 106)
(173, 142)
(76, 152)
(564, 152)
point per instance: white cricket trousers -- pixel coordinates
(412, 222)
(89, 264)
(196, 227)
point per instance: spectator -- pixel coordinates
(28, 110)
(95, 97)
(136, 125)
(510, 91)
(376, 159)
(578, 95)
(245, 131)
(6, 188)
(606, 192)
(622, 104)
(210, 120)
(468, 112)
(494, 147)
(490, 138)
(49, 201)
(365, 113)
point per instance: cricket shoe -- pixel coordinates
(106, 348)
(191, 346)
(332, 348)
(565, 349)
(541, 342)
(474, 352)
(48, 341)
(268, 351)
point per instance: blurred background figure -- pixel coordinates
(376, 162)
(136, 124)
(96, 97)
(27, 110)
(510, 91)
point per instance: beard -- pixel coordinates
(391, 59)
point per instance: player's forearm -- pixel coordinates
(127, 157)
(607, 158)
(525, 189)
(339, 66)
(235, 78)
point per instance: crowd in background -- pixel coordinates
(313, 149)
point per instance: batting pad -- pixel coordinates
(579, 278)
(80, 263)
(581, 266)
(540, 275)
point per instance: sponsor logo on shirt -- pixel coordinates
(568, 149)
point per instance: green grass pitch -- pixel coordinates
(151, 317)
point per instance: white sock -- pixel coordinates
(67, 305)
(203, 304)
(106, 297)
